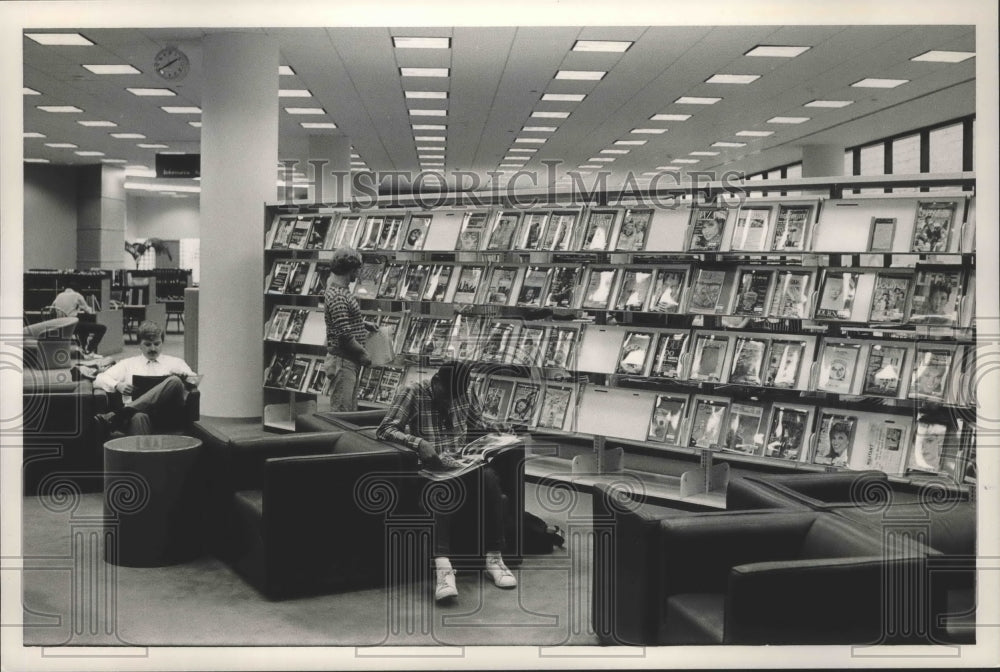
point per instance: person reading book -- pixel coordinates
(346, 331)
(149, 409)
(436, 419)
(70, 303)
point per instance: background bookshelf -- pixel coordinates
(41, 287)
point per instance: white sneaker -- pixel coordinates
(445, 584)
(501, 575)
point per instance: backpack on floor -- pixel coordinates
(539, 537)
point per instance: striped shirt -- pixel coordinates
(343, 319)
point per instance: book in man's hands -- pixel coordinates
(472, 456)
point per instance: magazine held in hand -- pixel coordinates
(472, 456)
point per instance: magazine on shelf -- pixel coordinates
(748, 361)
(665, 423)
(390, 325)
(318, 280)
(413, 282)
(882, 234)
(532, 229)
(928, 446)
(931, 371)
(884, 370)
(278, 323)
(634, 230)
(835, 439)
(438, 278)
(791, 295)
(933, 226)
(466, 333)
(889, 298)
(298, 277)
(709, 357)
(416, 335)
(370, 232)
(634, 290)
(559, 231)
(497, 342)
(787, 432)
(528, 350)
(348, 231)
(392, 281)
(297, 321)
(474, 455)
(706, 291)
(317, 377)
(524, 404)
(319, 232)
(496, 398)
(560, 349)
(600, 282)
(836, 297)
(667, 358)
(562, 287)
(936, 297)
(783, 361)
(886, 447)
(533, 287)
(436, 342)
(278, 369)
(501, 285)
(469, 278)
(299, 235)
(278, 280)
(555, 403)
(837, 365)
(708, 225)
(751, 229)
(668, 290)
(791, 228)
(634, 352)
(299, 375)
(416, 232)
(388, 238)
(708, 419)
(368, 381)
(745, 429)
(753, 290)
(502, 235)
(473, 230)
(369, 278)
(598, 231)
(387, 384)
(281, 228)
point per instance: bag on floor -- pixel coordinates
(539, 536)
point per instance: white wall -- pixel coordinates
(161, 217)
(49, 216)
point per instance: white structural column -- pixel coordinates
(822, 160)
(335, 151)
(239, 145)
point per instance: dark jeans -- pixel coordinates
(482, 491)
(88, 332)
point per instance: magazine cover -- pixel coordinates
(370, 232)
(560, 350)
(468, 283)
(318, 232)
(746, 429)
(634, 290)
(496, 398)
(709, 357)
(791, 227)
(562, 286)
(297, 377)
(635, 228)
(391, 281)
(473, 229)
(387, 385)
(497, 342)
(598, 233)
(466, 333)
(886, 447)
(933, 226)
(559, 231)
(889, 298)
(936, 296)
(786, 432)
(930, 373)
(835, 440)
(299, 236)
(884, 370)
(416, 335)
(317, 377)
(928, 446)
(748, 361)
(278, 369)
(836, 298)
(503, 231)
(388, 238)
(528, 350)
(523, 404)
(436, 342)
(530, 236)
(321, 275)
(882, 234)
(281, 228)
(635, 349)
(501, 285)
(532, 287)
(348, 233)
(667, 360)
(438, 278)
(368, 382)
(753, 289)
(751, 229)
(555, 403)
(665, 423)
(278, 278)
(707, 422)
(837, 366)
(668, 290)
(791, 295)
(706, 291)
(416, 232)
(293, 332)
(391, 324)
(297, 277)
(707, 228)
(413, 282)
(278, 323)
(369, 278)
(783, 361)
(600, 282)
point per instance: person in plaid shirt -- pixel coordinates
(435, 419)
(346, 331)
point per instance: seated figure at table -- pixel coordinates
(149, 410)
(70, 303)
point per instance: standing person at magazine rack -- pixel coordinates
(346, 331)
(434, 419)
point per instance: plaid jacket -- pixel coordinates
(343, 318)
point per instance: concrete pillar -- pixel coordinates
(239, 140)
(100, 217)
(822, 160)
(335, 150)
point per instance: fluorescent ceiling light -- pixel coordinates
(651, 172)
(294, 93)
(670, 117)
(429, 138)
(530, 141)
(285, 70)
(429, 113)
(96, 124)
(589, 75)
(182, 109)
(672, 169)
(355, 156)
(431, 164)
(430, 157)
(524, 150)
(128, 136)
(29, 92)
(732, 79)
(142, 186)
(139, 170)
(539, 129)
(33, 134)
(88, 153)
(150, 92)
(36, 161)
(631, 142)
(787, 120)
(522, 159)
(59, 109)
(317, 124)
(753, 134)
(615, 151)
(684, 160)
(60, 145)
(601, 159)
(550, 115)
(601, 45)
(509, 165)
(776, 51)
(696, 100)
(196, 124)
(423, 72)
(829, 103)
(305, 110)
(123, 69)
(564, 97)
(722, 143)
(649, 131)
(878, 83)
(113, 161)
(429, 127)
(421, 42)
(60, 39)
(153, 145)
(703, 153)
(589, 166)
(436, 95)
(430, 149)
(938, 56)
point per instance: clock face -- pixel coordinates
(171, 63)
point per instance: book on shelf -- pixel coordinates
(470, 237)
(836, 295)
(368, 381)
(413, 282)
(667, 358)
(524, 403)
(278, 279)
(502, 235)
(500, 287)
(753, 292)
(748, 361)
(369, 278)
(496, 398)
(708, 225)
(600, 283)
(634, 353)
(784, 359)
(387, 384)
(707, 295)
(889, 298)
(392, 280)
(532, 287)
(750, 229)
(884, 370)
(708, 418)
(933, 226)
(296, 322)
(532, 229)
(562, 287)
(497, 342)
(438, 278)
(416, 232)
(388, 238)
(469, 278)
(837, 365)
(560, 349)
(634, 230)
(278, 323)
(559, 231)
(787, 432)
(555, 403)
(666, 420)
(598, 231)
(931, 371)
(835, 439)
(472, 456)
(745, 430)
(709, 357)
(668, 290)
(791, 228)
(528, 350)
(279, 369)
(791, 294)
(634, 290)
(936, 297)
(299, 235)
(319, 233)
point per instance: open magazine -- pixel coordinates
(472, 456)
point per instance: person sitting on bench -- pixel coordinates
(70, 303)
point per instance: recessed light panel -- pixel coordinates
(60, 39)
(430, 149)
(294, 93)
(89, 153)
(430, 156)
(421, 42)
(121, 69)
(600, 159)
(429, 127)
(29, 92)
(196, 124)
(615, 151)
(670, 117)
(732, 79)
(684, 160)
(539, 129)
(150, 92)
(429, 113)
(630, 142)
(285, 70)
(113, 161)
(60, 145)
(527, 150)
(423, 72)
(550, 115)
(878, 83)
(154, 145)
(829, 103)
(60, 109)
(753, 134)
(564, 97)
(317, 124)
(697, 100)
(776, 51)
(436, 95)
(649, 131)
(672, 169)
(703, 153)
(936, 56)
(128, 136)
(530, 141)
(36, 161)
(614, 46)
(98, 124)
(588, 75)
(723, 143)
(183, 109)
(305, 110)
(33, 134)
(787, 120)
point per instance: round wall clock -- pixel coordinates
(171, 63)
